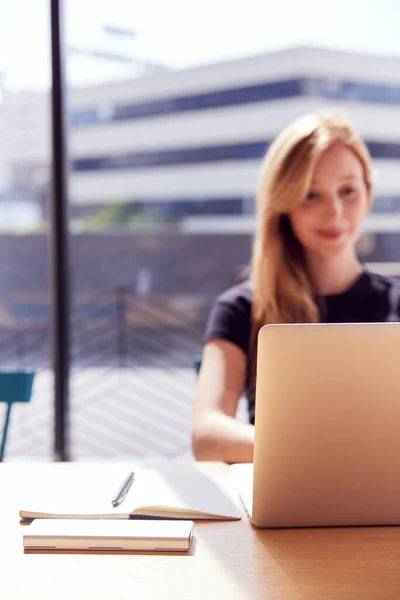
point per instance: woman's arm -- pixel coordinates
(216, 434)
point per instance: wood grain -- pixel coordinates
(229, 560)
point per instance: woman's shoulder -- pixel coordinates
(384, 283)
(385, 296)
(230, 316)
(239, 295)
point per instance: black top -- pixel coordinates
(373, 298)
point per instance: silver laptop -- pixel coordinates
(327, 434)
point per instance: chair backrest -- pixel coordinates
(197, 362)
(15, 386)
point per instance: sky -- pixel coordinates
(184, 33)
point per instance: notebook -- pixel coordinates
(108, 535)
(178, 491)
(243, 474)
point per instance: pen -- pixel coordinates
(122, 491)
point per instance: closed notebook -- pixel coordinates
(178, 491)
(108, 535)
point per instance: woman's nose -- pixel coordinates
(334, 206)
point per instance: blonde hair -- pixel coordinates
(282, 290)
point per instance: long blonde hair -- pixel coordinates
(282, 289)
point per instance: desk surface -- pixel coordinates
(229, 560)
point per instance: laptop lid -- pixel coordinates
(327, 433)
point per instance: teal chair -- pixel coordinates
(197, 363)
(15, 386)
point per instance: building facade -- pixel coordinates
(189, 143)
(186, 145)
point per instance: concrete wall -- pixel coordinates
(179, 264)
(190, 264)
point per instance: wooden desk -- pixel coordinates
(229, 561)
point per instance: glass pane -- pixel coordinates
(24, 206)
(171, 108)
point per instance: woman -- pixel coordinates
(315, 191)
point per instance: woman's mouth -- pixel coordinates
(331, 234)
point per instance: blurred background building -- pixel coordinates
(189, 143)
(173, 146)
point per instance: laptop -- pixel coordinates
(327, 433)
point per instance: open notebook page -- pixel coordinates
(206, 488)
(87, 491)
(243, 475)
(75, 490)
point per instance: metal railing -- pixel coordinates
(131, 375)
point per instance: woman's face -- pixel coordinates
(330, 219)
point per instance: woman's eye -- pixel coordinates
(349, 191)
(312, 196)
